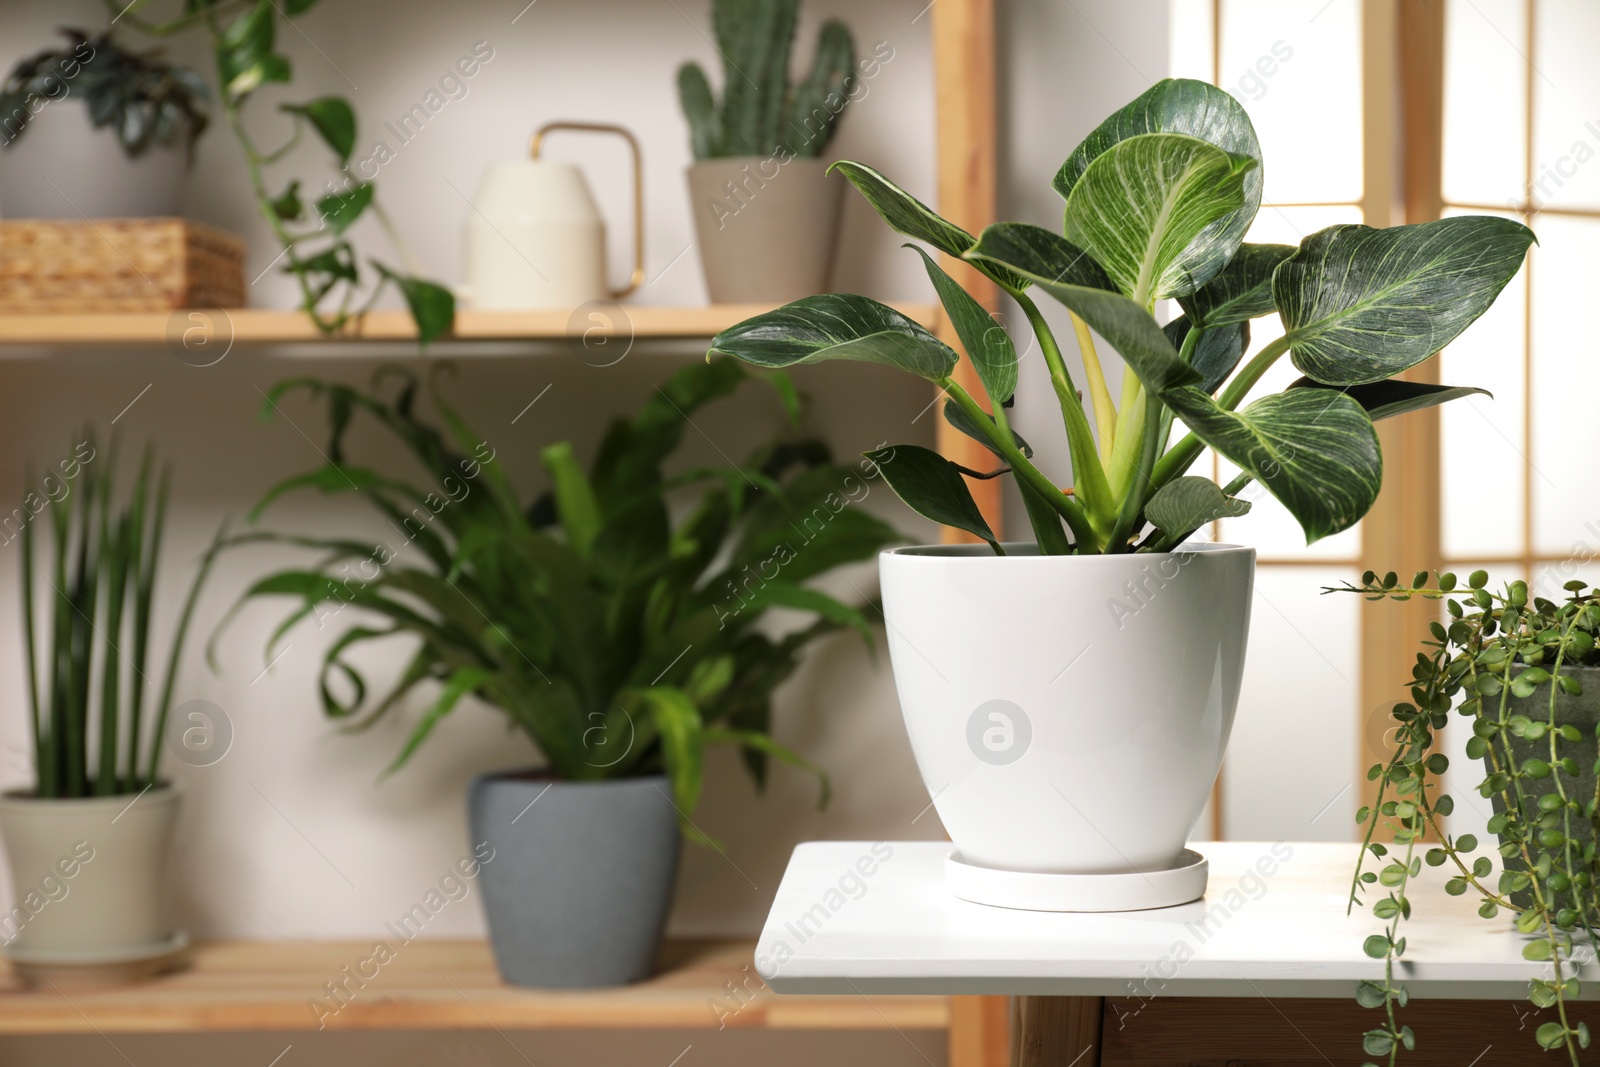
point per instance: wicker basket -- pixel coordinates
(106, 265)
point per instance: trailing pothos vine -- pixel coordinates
(317, 250)
(1508, 664)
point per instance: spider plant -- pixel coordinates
(87, 599)
(618, 635)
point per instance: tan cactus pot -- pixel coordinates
(767, 229)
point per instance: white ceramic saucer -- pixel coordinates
(80, 967)
(1035, 891)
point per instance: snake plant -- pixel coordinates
(760, 113)
(86, 609)
(1157, 203)
(617, 634)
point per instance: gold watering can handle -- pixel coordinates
(536, 142)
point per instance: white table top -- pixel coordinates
(864, 917)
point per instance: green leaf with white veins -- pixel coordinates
(837, 326)
(907, 215)
(988, 345)
(1360, 305)
(1242, 291)
(1179, 105)
(1313, 449)
(1060, 268)
(1184, 505)
(1141, 209)
(1386, 399)
(932, 486)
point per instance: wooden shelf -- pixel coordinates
(263, 326)
(257, 985)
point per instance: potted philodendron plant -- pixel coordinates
(1524, 672)
(618, 635)
(94, 130)
(87, 846)
(757, 182)
(1001, 652)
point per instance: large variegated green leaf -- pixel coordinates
(1184, 505)
(957, 416)
(1180, 105)
(907, 215)
(837, 326)
(1045, 259)
(932, 486)
(988, 345)
(1216, 353)
(1386, 399)
(1314, 449)
(1360, 305)
(1143, 206)
(1242, 291)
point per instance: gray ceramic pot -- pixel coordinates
(581, 877)
(61, 167)
(1581, 711)
(766, 230)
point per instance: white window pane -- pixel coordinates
(1291, 225)
(1566, 383)
(1291, 767)
(1189, 41)
(1296, 67)
(1566, 83)
(1484, 101)
(1482, 467)
(1581, 564)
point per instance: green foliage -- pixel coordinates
(617, 634)
(1508, 664)
(86, 604)
(760, 113)
(317, 249)
(142, 99)
(1157, 202)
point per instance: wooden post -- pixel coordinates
(964, 76)
(964, 70)
(1402, 532)
(1056, 1031)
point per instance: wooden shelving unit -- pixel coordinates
(262, 326)
(438, 985)
(240, 986)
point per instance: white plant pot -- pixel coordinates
(1069, 714)
(88, 877)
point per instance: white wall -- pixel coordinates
(291, 834)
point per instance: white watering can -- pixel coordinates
(535, 239)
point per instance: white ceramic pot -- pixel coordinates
(88, 875)
(1068, 713)
(62, 167)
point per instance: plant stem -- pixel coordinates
(1089, 478)
(1133, 500)
(1105, 412)
(1240, 387)
(1068, 509)
(258, 185)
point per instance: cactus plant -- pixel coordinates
(760, 113)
